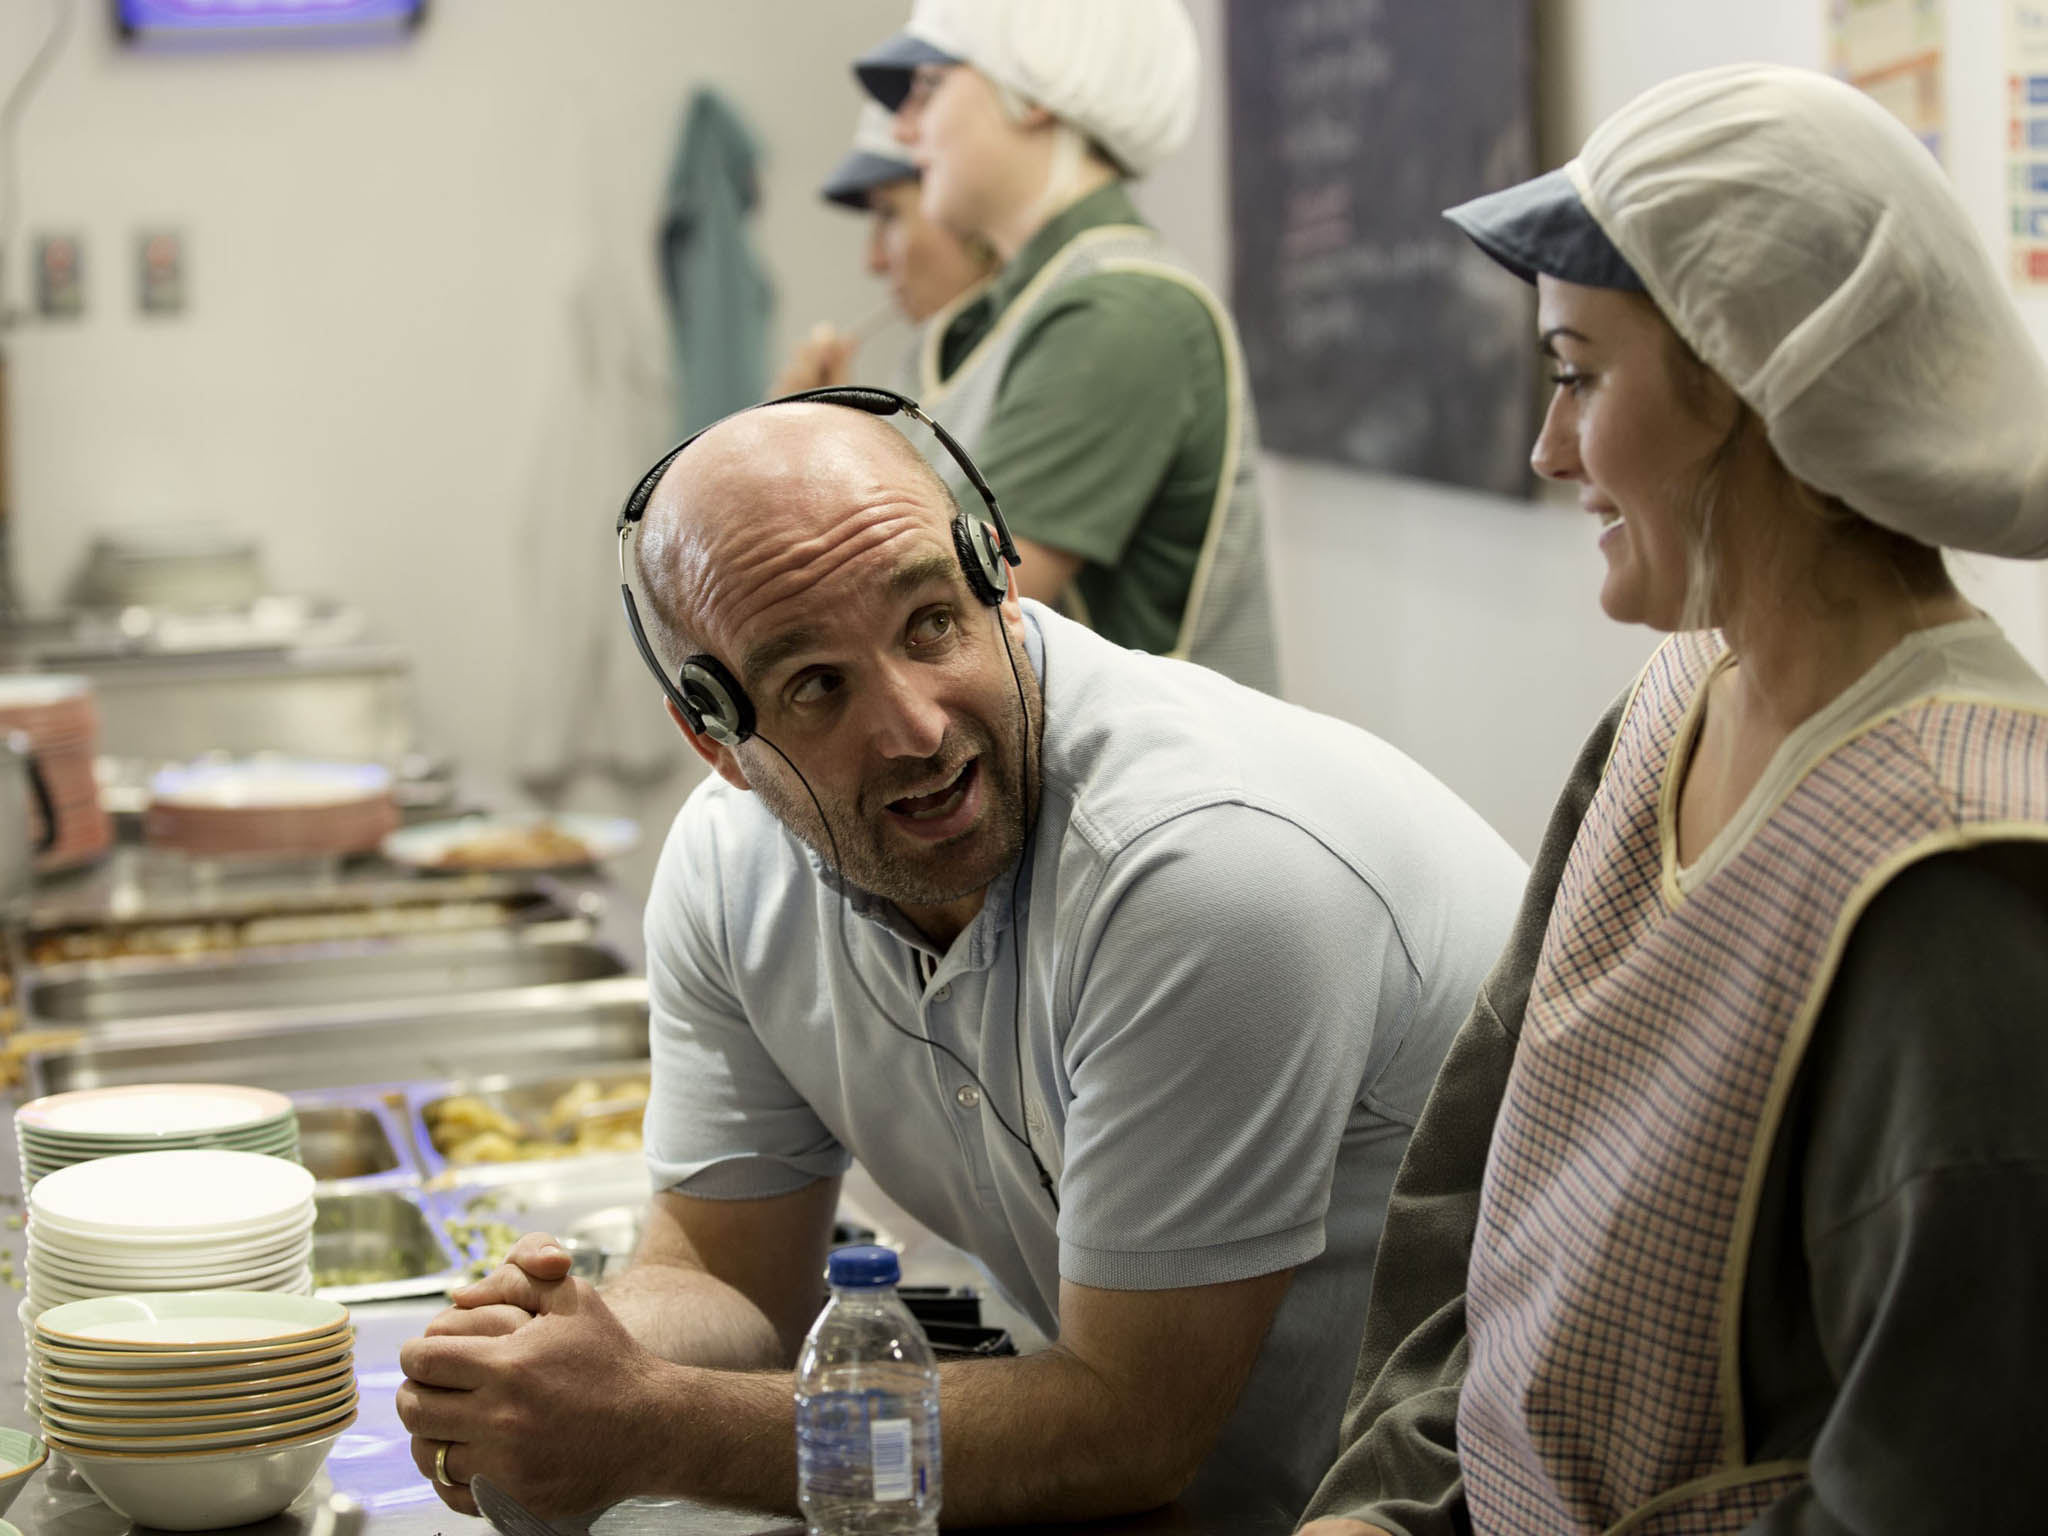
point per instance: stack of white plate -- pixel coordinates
(205, 1219)
(196, 1411)
(67, 1128)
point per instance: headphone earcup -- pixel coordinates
(719, 706)
(981, 559)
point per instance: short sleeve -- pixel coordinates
(1095, 404)
(723, 1122)
(1219, 1046)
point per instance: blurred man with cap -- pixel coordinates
(1096, 381)
(926, 265)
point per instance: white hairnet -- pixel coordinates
(1810, 250)
(1124, 72)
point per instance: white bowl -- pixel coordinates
(149, 1403)
(186, 1320)
(201, 1192)
(86, 1367)
(268, 1276)
(295, 1281)
(174, 1419)
(139, 1111)
(51, 1246)
(21, 1457)
(202, 1493)
(135, 1436)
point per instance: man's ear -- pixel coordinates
(723, 760)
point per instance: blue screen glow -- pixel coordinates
(161, 16)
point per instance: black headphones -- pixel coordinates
(704, 690)
(713, 702)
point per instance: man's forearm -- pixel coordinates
(692, 1318)
(1043, 1437)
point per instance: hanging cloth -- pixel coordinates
(720, 302)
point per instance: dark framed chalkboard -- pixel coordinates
(1376, 335)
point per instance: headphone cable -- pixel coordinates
(1017, 996)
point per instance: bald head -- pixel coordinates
(762, 507)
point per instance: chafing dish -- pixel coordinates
(352, 1140)
(115, 997)
(378, 1244)
(389, 915)
(548, 1107)
(521, 1030)
(595, 1203)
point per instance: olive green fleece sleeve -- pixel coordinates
(1397, 1466)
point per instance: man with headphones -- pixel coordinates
(1125, 978)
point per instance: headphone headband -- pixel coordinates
(706, 694)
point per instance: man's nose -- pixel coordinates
(909, 721)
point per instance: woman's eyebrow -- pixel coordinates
(1548, 344)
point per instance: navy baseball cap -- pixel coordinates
(1543, 227)
(859, 174)
(884, 71)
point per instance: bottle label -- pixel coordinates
(889, 1443)
(857, 1445)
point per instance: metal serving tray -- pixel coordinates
(526, 1029)
(103, 996)
(523, 1096)
(380, 1244)
(384, 917)
(353, 1141)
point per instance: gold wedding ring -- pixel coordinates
(441, 1467)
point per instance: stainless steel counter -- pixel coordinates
(386, 1188)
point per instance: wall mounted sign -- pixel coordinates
(2027, 139)
(1376, 335)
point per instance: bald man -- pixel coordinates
(1127, 979)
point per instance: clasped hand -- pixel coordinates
(531, 1380)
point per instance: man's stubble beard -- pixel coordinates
(859, 849)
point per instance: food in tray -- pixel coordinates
(182, 940)
(590, 1117)
(536, 845)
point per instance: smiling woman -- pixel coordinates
(1751, 1247)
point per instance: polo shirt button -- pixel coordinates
(943, 993)
(968, 1097)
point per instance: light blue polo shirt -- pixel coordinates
(1248, 933)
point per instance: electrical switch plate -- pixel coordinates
(160, 271)
(60, 276)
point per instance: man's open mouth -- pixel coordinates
(941, 802)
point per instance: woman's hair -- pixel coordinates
(1918, 568)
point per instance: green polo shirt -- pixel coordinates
(1109, 429)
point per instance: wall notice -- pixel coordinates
(1893, 51)
(2027, 152)
(1376, 335)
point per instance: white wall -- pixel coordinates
(1463, 627)
(381, 241)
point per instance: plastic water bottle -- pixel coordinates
(867, 1408)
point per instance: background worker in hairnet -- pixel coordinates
(1096, 382)
(925, 264)
(1757, 1242)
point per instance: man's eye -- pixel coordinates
(814, 688)
(931, 627)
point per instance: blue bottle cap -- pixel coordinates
(864, 1264)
